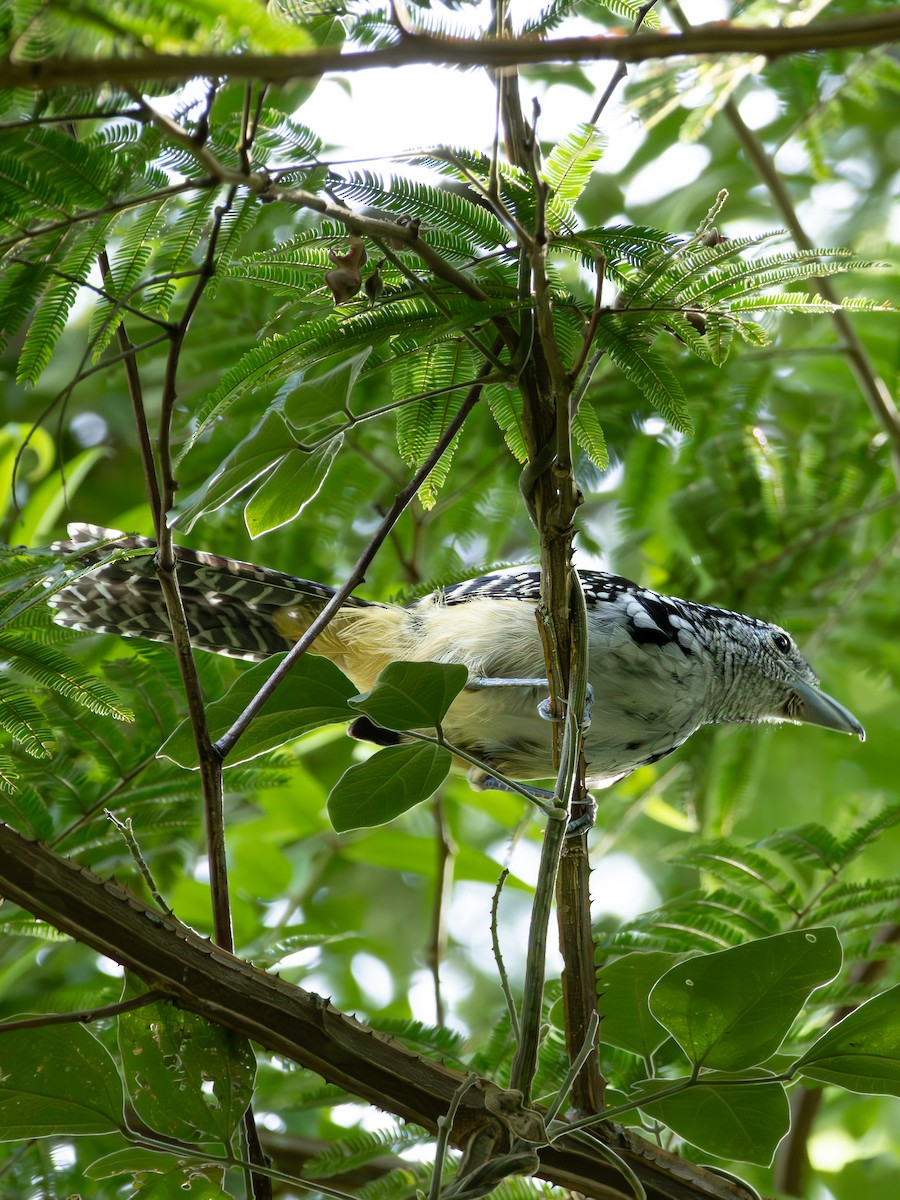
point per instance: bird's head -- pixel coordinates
(773, 681)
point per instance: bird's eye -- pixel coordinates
(781, 641)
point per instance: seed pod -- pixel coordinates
(345, 279)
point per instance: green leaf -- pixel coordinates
(161, 1176)
(649, 373)
(387, 784)
(623, 987)
(258, 453)
(22, 718)
(57, 1080)
(311, 395)
(738, 1120)
(733, 1008)
(570, 163)
(396, 850)
(54, 669)
(187, 1077)
(413, 695)
(314, 693)
(861, 1052)
(286, 491)
(54, 495)
(588, 434)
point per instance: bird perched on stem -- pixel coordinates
(659, 667)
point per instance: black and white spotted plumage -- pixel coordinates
(660, 667)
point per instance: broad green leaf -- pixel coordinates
(742, 1120)
(733, 1008)
(309, 397)
(130, 1161)
(314, 693)
(57, 1080)
(187, 1077)
(623, 987)
(413, 695)
(258, 453)
(161, 1176)
(861, 1052)
(287, 490)
(387, 784)
(36, 461)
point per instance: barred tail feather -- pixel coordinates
(231, 606)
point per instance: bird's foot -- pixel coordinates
(544, 710)
(481, 781)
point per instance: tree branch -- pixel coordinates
(201, 977)
(875, 29)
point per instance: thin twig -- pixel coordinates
(128, 352)
(127, 832)
(83, 1016)
(434, 955)
(117, 206)
(444, 1129)
(577, 1063)
(621, 70)
(498, 957)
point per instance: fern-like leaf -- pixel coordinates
(55, 670)
(649, 373)
(51, 315)
(21, 717)
(588, 433)
(570, 163)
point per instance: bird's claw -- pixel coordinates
(544, 710)
(584, 821)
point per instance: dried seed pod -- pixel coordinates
(374, 284)
(345, 279)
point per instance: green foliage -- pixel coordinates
(766, 485)
(187, 1078)
(315, 693)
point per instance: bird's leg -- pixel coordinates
(483, 781)
(481, 681)
(585, 819)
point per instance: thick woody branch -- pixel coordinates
(875, 29)
(203, 978)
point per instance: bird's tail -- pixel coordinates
(232, 607)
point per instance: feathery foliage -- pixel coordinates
(215, 315)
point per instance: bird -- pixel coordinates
(659, 668)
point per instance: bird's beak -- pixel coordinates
(809, 706)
